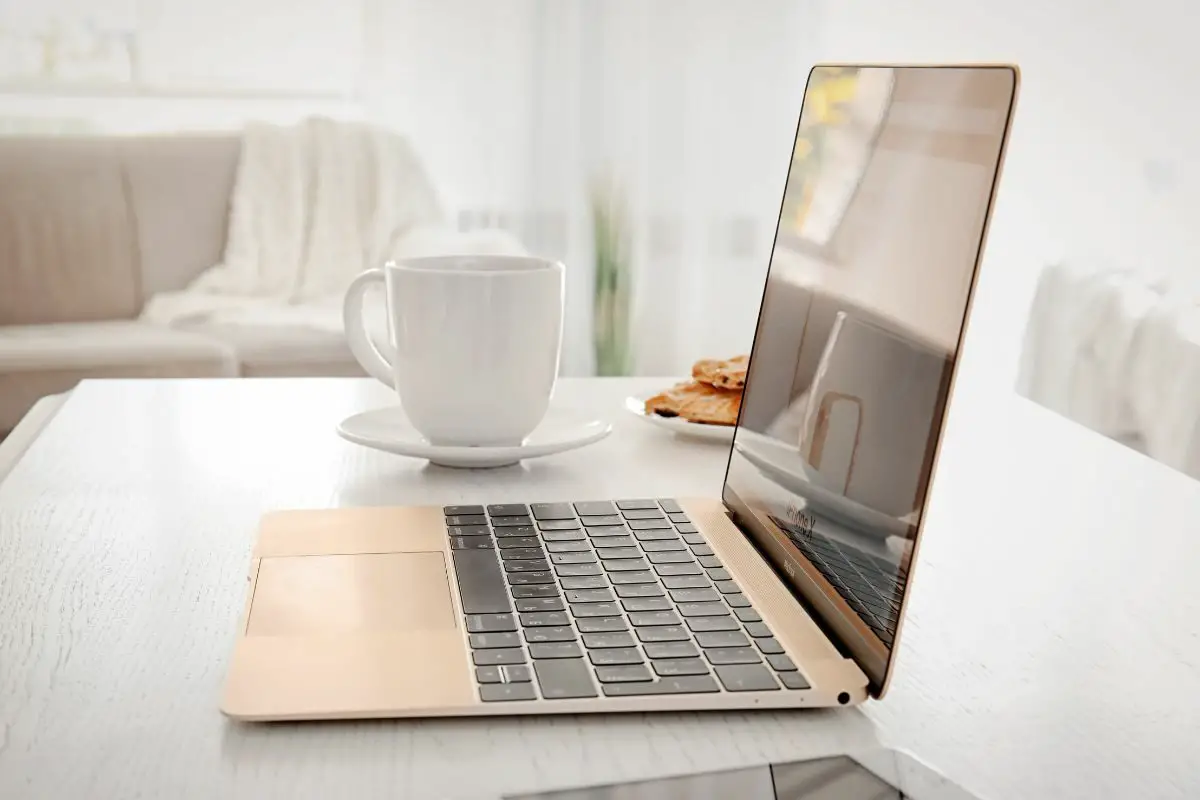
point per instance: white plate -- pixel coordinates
(695, 430)
(782, 463)
(387, 429)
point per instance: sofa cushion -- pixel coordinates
(279, 351)
(37, 360)
(68, 244)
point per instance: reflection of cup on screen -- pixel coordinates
(870, 419)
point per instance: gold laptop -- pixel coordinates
(788, 589)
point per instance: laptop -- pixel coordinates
(785, 590)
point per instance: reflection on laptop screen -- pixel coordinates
(880, 231)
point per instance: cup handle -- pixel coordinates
(361, 345)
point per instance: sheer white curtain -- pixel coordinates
(691, 109)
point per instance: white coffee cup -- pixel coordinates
(475, 342)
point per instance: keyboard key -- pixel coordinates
(590, 596)
(502, 692)
(678, 518)
(558, 525)
(722, 639)
(781, 663)
(516, 530)
(640, 590)
(645, 619)
(530, 578)
(564, 678)
(737, 600)
(606, 521)
(614, 656)
(625, 565)
(727, 587)
(533, 604)
(516, 673)
(653, 513)
(510, 542)
(704, 624)
(584, 582)
(694, 539)
(670, 506)
(563, 536)
(663, 546)
(665, 633)
(626, 578)
(593, 509)
(702, 550)
(490, 623)
(488, 675)
(769, 646)
(623, 674)
(747, 615)
(568, 547)
(747, 678)
(662, 650)
(732, 655)
(601, 624)
(584, 610)
(605, 542)
(619, 552)
(458, 520)
(687, 684)
(507, 510)
(534, 591)
(710, 562)
(483, 658)
(719, 574)
(480, 582)
(551, 633)
(526, 566)
(552, 511)
(758, 629)
(632, 505)
(577, 570)
(667, 570)
(538, 619)
(686, 582)
(686, 527)
(601, 641)
(460, 511)
(469, 530)
(573, 558)
(511, 522)
(793, 680)
(694, 595)
(649, 524)
(703, 609)
(646, 604)
(555, 650)
(682, 557)
(471, 543)
(655, 536)
(520, 553)
(680, 666)
(490, 641)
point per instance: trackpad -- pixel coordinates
(362, 593)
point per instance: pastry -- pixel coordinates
(697, 402)
(722, 373)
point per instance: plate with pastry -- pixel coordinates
(703, 407)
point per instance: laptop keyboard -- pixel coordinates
(612, 599)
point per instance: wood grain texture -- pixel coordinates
(1052, 649)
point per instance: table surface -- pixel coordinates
(1052, 648)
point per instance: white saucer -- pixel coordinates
(694, 430)
(387, 429)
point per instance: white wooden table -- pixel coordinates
(1053, 648)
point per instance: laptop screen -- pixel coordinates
(880, 232)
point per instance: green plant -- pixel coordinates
(612, 292)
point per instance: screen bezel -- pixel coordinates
(832, 613)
